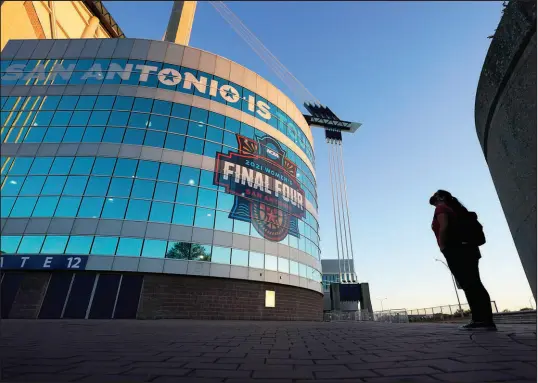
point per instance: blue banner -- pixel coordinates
(43, 262)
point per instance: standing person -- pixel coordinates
(459, 234)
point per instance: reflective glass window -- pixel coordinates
(79, 118)
(139, 120)
(134, 136)
(168, 172)
(67, 207)
(34, 135)
(143, 189)
(90, 207)
(86, 102)
(43, 118)
(177, 126)
(31, 244)
(189, 176)
(68, 103)
(104, 166)
(73, 134)
(241, 227)
(214, 134)
(162, 107)
(114, 208)
(154, 248)
(33, 185)
(256, 260)
(222, 222)
(6, 205)
(194, 145)
(178, 250)
(196, 129)
(104, 102)
(61, 165)
(165, 191)
(41, 166)
(216, 119)
(239, 257)
(21, 165)
(50, 102)
(61, 118)
(174, 142)
(161, 212)
(211, 149)
(75, 185)
(45, 207)
(97, 186)
(147, 169)
(206, 180)
(82, 165)
(142, 105)
(104, 245)
(99, 118)
(120, 187)
(93, 134)
(271, 262)
(207, 198)
(123, 103)
(114, 135)
(230, 140)
(10, 243)
(23, 207)
(225, 201)
(204, 218)
(130, 247)
(302, 270)
(232, 125)
(283, 265)
(118, 118)
(155, 139)
(54, 244)
(186, 194)
(125, 167)
(221, 255)
(158, 123)
(138, 210)
(12, 185)
(200, 252)
(183, 215)
(180, 110)
(79, 245)
(294, 268)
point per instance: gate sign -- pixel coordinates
(265, 186)
(43, 262)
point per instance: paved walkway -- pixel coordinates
(196, 351)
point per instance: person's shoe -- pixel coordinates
(479, 326)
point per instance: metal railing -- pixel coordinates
(444, 313)
(392, 316)
(347, 316)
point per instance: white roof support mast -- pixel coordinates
(180, 23)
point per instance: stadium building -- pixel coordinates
(150, 179)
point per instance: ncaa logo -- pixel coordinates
(272, 154)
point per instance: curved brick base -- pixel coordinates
(189, 297)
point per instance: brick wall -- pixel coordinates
(30, 295)
(188, 297)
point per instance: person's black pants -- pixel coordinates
(463, 263)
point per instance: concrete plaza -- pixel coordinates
(223, 351)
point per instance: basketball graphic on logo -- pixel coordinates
(270, 222)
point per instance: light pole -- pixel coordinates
(454, 282)
(381, 301)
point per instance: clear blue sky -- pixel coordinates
(408, 71)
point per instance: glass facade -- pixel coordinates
(117, 188)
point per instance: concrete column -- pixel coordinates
(366, 302)
(505, 114)
(180, 23)
(90, 29)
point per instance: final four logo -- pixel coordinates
(265, 186)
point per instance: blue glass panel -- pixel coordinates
(158, 123)
(181, 110)
(216, 119)
(97, 186)
(283, 265)
(68, 103)
(239, 257)
(21, 165)
(142, 105)
(138, 210)
(155, 139)
(187, 194)
(10, 243)
(162, 107)
(79, 245)
(130, 247)
(118, 118)
(120, 187)
(31, 244)
(302, 270)
(211, 149)
(12, 185)
(207, 198)
(134, 136)
(50, 102)
(93, 134)
(104, 102)
(114, 208)
(178, 126)
(45, 207)
(34, 135)
(193, 145)
(204, 218)
(73, 134)
(139, 120)
(147, 169)
(41, 166)
(86, 102)
(214, 134)
(154, 248)
(79, 118)
(199, 115)
(114, 135)
(54, 244)
(104, 245)
(222, 222)
(230, 140)
(189, 176)
(82, 165)
(61, 165)
(271, 262)
(165, 191)
(6, 206)
(161, 212)
(225, 201)
(67, 207)
(143, 189)
(241, 227)
(256, 260)
(175, 142)
(61, 118)
(168, 172)
(90, 207)
(75, 185)
(183, 215)
(123, 103)
(125, 167)
(196, 129)
(23, 207)
(221, 255)
(104, 166)
(43, 118)
(206, 179)
(232, 125)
